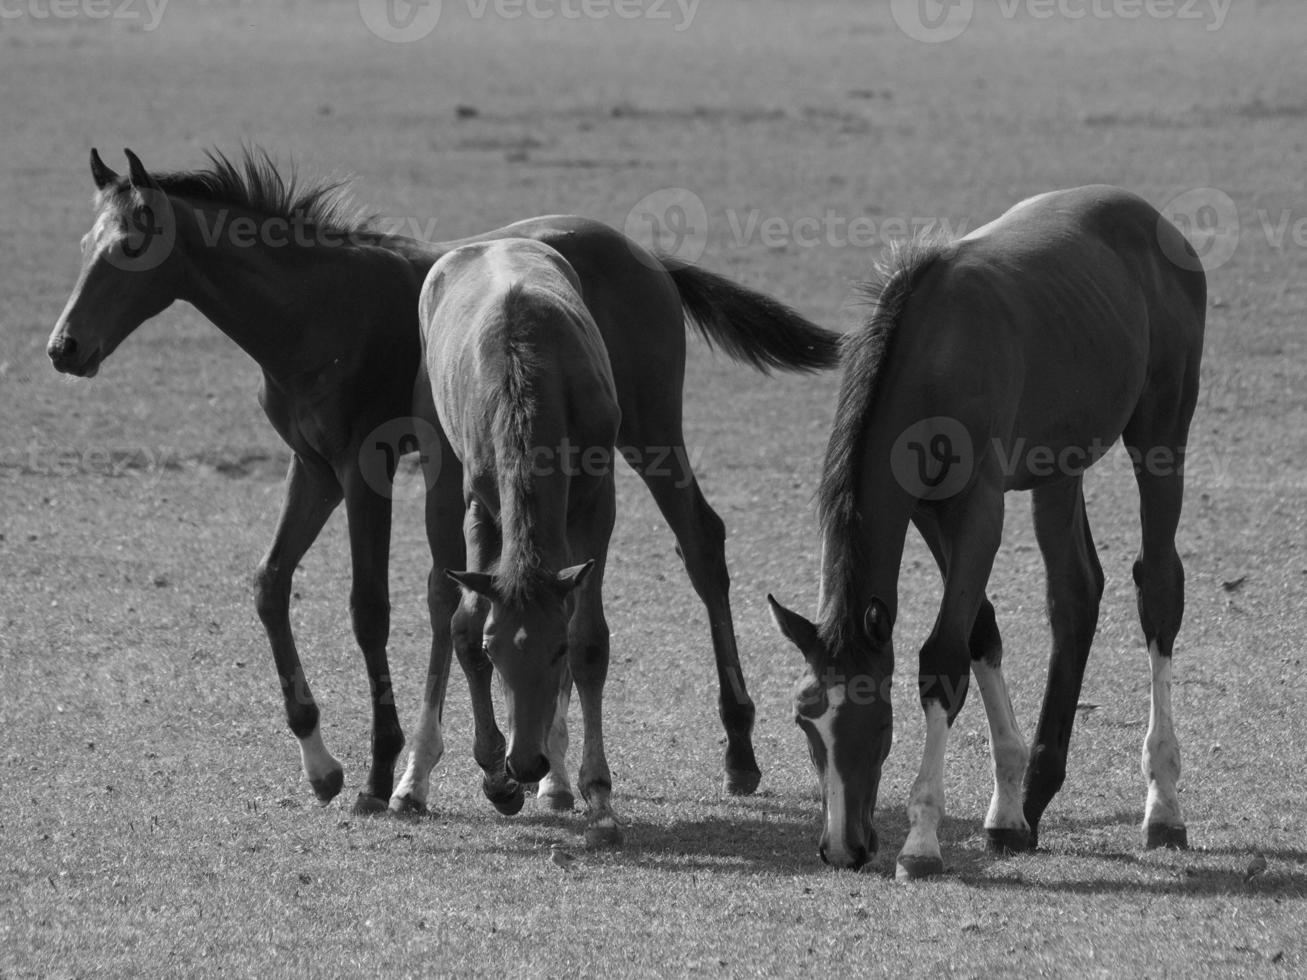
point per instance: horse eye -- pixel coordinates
(560, 653)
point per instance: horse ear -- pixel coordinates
(876, 623)
(477, 582)
(140, 177)
(569, 578)
(100, 172)
(796, 629)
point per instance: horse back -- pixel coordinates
(504, 319)
(1049, 325)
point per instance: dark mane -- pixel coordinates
(255, 182)
(865, 351)
(521, 573)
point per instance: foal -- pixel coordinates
(1011, 359)
(520, 380)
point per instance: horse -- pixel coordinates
(1010, 359)
(326, 303)
(521, 383)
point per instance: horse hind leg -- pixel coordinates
(1159, 592)
(1075, 590)
(701, 544)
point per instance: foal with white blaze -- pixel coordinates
(520, 377)
(1071, 321)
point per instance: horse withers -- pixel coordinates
(1010, 359)
(521, 384)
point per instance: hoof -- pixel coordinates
(741, 782)
(368, 805)
(325, 788)
(1009, 840)
(912, 868)
(603, 834)
(562, 802)
(408, 806)
(507, 796)
(1164, 835)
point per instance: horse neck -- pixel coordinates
(267, 294)
(863, 562)
(533, 491)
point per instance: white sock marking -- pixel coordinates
(317, 761)
(926, 802)
(1007, 748)
(1161, 756)
(428, 747)
(556, 782)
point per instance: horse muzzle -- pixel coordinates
(68, 357)
(527, 767)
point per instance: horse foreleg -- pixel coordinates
(312, 493)
(1005, 823)
(555, 788)
(481, 536)
(588, 652)
(971, 528)
(369, 539)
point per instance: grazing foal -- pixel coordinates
(521, 384)
(1011, 359)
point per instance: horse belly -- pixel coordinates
(1066, 426)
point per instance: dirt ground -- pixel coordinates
(148, 773)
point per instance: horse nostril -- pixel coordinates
(62, 349)
(529, 772)
(822, 851)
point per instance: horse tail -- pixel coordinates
(749, 326)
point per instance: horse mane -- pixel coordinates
(521, 573)
(255, 182)
(864, 353)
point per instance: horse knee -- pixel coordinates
(588, 656)
(948, 688)
(442, 596)
(271, 594)
(986, 643)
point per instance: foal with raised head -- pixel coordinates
(1010, 359)
(521, 384)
